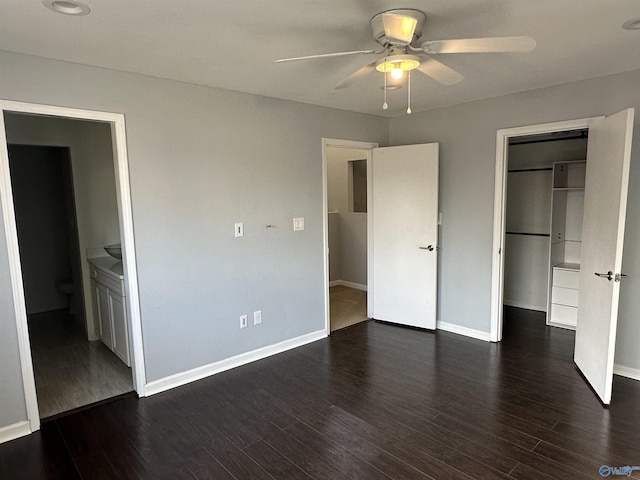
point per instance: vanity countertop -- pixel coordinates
(109, 265)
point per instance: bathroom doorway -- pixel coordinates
(91, 167)
(70, 370)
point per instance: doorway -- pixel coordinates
(114, 124)
(522, 239)
(346, 170)
(70, 370)
(346, 163)
(544, 223)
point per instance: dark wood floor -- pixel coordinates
(373, 401)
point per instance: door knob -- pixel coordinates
(608, 275)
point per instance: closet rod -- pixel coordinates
(543, 140)
(530, 170)
(530, 234)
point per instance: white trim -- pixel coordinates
(17, 287)
(467, 332)
(334, 142)
(628, 372)
(370, 281)
(15, 430)
(497, 259)
(121, 167)
(199, 373)
(344, 283)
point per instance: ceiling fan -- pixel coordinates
(398, 31)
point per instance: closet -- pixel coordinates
(545, 191)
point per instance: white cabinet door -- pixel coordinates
(104, 316)
(608, 158)
(404, 234)
(117, 308)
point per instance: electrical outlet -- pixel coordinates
(257, 317)
(243, 321)
(298, 224)
(239, 230)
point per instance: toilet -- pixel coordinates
(66, 287)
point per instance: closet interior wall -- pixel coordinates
(528, 216)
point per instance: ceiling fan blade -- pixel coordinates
(481, 45)
(325, 55)
(399, 28)
(440, 72)
(355, 76)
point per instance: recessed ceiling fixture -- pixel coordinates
(633, 24)
(67, 7)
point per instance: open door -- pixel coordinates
(608, 158)
(404, 234)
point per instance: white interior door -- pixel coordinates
(404, 234)
(608, 158)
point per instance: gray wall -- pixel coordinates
(93, 183)
(467, 136)
(347, 230)
(200, 160)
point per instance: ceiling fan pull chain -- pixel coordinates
(384, 105)
(409, 92)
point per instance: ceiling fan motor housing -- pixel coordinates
(377, 26)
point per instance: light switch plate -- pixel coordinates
(298, 224)
(239, 230)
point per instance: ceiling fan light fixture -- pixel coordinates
(397, 64)
(67, 7)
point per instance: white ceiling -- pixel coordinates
(233, 44)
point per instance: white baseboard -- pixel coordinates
(15, 430)
(198, 373)
(344, 283)
(526, 306)
(467, 332)
(628, 372)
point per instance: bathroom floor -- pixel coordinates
(70, 371)
(348, 306)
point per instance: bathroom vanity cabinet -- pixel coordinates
(107, 281)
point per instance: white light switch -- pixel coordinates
(239, 230)
(298, 224)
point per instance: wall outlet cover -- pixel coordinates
(298, 224)
(257, 317)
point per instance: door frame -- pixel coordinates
(499, 206)
(123, 193)
(356, 145)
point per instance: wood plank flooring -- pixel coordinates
(373, 401)
(70, 371)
